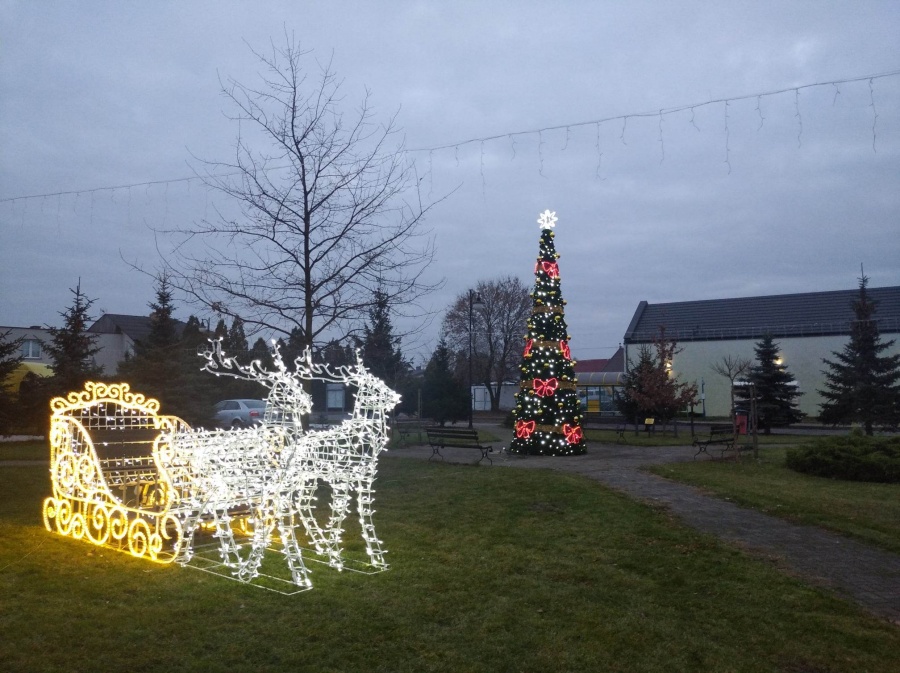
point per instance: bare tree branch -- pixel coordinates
(324, 215)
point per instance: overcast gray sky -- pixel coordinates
(744, 196)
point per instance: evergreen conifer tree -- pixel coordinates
(862, 385)
(260, 351)
(235, 342)
(776, 390)
(548, 411)
(72, 347)
(166, 367)
(379, 347)
(444, 397)
(10, 357)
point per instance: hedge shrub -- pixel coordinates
(854, 458)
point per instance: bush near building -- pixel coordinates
(855, 458)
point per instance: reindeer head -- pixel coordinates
(287, 401)
(372, 393)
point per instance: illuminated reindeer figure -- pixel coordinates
(273, 470)
(345, 457)
(245, 469)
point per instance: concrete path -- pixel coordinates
(867, 575)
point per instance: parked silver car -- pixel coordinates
(239, 413)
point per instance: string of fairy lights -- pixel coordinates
(540, 134)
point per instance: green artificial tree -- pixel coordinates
(862, 383)
(548, 411)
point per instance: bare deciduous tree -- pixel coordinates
(324, 215)
(731, 367)
(498, 329)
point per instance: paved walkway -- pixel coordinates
(867, 575)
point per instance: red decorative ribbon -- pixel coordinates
(573, 433)
(545, 388)
(528, 345)
(564, 347)
(550, 268)
(524, 429)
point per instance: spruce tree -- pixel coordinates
(862, 385)
(10, 357)
(262, 353)
(776, 390)
(444, 397)
(379, 347)
(548, 411)
(235, 341)
(72, 347)
(166, 367)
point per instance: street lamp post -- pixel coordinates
(475, 301)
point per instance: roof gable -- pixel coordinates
(786, 315)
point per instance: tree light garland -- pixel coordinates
(548, 411)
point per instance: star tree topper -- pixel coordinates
(547, 220)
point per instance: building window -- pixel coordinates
(31, 349)
(334, 396)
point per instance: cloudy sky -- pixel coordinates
(679, 143)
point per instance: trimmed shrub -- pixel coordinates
(854, 458)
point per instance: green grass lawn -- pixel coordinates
(867, 511)
(31, 450)
(493, 570)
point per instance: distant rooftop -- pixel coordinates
(784, 315)
(135, 326)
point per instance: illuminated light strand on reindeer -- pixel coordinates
(346, 458)
(271, 472)
(245, 471)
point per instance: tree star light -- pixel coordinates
(547, 219)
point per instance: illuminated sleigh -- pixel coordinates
(108, 457)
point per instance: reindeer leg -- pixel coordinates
(305, 498)
(292, 552)
(262, 535)
(364, 498)
(340, 507)
(229, 550)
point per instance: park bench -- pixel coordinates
(459, 438)
(719, 435)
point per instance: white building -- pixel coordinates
(807, 328)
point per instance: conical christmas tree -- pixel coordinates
(548, 412)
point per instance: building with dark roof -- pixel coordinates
(117, 334)
(808, 327)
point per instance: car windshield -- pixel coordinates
(255, 404)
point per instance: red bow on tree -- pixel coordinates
(544, 388)
(551, 269)
(573, 433)
(524, 429)
(564, 347)
(528, 345)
